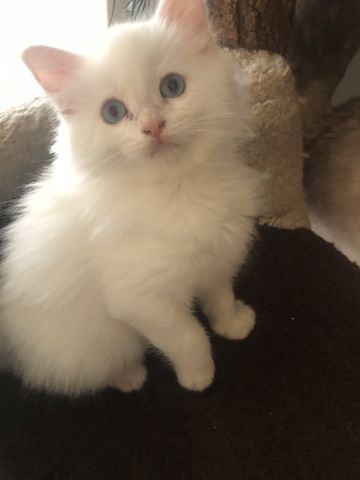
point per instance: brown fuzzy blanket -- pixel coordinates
(284, 404)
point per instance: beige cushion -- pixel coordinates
(276, 147)
(26, 133)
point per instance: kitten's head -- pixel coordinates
(153, 91)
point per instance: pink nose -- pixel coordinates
(153, 128)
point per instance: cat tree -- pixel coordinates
(317, 37)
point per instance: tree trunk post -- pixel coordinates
(253, 24)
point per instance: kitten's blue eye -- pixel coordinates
(172, 85)
(113, 111)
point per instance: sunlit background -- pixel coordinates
(74, 25)
(67, 24)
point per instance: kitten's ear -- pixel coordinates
(188, 13)
(51, 67)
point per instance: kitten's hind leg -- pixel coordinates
(131, 378)
(73, 348)
(228, 317)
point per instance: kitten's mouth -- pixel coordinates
(161, 145)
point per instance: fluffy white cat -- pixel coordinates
(146, 207)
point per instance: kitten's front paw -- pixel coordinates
(197, 379)
(132, 378)
(238, 327)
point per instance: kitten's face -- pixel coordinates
(152, 94)
(157, 89)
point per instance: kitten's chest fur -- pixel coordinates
(175, 228)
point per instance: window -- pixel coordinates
(67, 24)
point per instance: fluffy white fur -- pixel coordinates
(121, 234)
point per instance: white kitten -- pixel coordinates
(147, 207)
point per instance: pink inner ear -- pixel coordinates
(187, 13)
(51, 67)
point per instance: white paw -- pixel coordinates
(132, 378)
(240, 325)
(197, 379)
